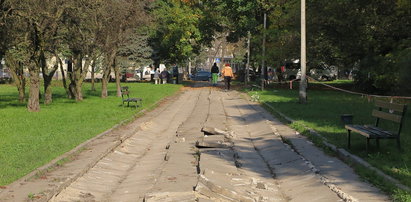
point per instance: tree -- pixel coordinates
(177, 35)
(13, 48)
(238, 17)
(136, 48)
(16, 63)
(79, 33)
(4, 12)
(38, 22)
(118, 19)
(372, 35)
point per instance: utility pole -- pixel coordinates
(247, 66)
(263, 58)
(303, 82)
(189, 66)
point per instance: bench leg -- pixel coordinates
(349, 138)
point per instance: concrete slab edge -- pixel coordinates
(219, 190)
(323, 179)
(342, 153)
(167, 196)
(52, 164)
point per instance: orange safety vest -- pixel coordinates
(227, 71)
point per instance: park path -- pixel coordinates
(241, 156)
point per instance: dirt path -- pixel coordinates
(165, 156)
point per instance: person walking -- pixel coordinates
(270, 74)
(227, 74)
(157, 76)
(214, 74)
(164, 75)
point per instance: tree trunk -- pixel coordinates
(70, 73)
(93, 67)
(16, 70)
(104, 83)
(48, 95)
(47, 77)
(109, 60)
(34, 104)
(117, 74)
(77, 76)
(79, 92)
(22, 90)
(63, 76)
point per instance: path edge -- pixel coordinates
(342, 153)
(78, 149)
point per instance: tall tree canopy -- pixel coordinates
(370, 36)
(34, 32)
(177, 35)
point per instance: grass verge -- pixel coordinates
(322, 113)
(30, 140)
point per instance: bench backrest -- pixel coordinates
(390, 111)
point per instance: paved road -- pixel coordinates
(242, 157)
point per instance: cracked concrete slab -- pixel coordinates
(155, 159)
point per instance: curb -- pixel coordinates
(344, 154)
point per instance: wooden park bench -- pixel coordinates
(386, 111)
(125, 96)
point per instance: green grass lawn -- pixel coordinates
(322, 113)
(30, 140)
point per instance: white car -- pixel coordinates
(325, 73)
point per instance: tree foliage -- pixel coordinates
(371, 36)
(136, 48)
(177, 35)
(34, 32)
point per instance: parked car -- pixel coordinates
(292, 70)
(201, 76)
(323, 72)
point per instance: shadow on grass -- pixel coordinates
(11, 99)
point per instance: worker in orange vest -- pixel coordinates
(227, 74)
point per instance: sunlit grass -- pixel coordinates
(30, 140)
(322, 113)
